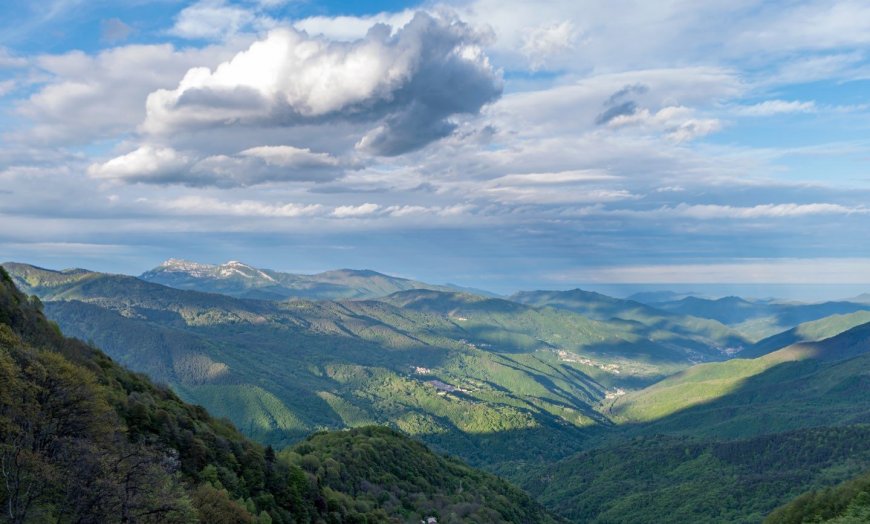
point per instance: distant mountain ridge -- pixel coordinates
(701, 331)
(245, 281)
(758, 319)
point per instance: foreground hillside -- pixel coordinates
(139, 454)
(680, 479)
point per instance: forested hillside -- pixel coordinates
(681, 479)
(703, 331)
(846, 503)
(83, 440)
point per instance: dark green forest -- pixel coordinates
(846, 503)
(683, 479)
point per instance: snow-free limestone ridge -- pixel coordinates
(242, 280)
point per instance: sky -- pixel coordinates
(496, 144)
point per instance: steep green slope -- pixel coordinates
(694, 386)
(139, 454)
(241, 280)
(661, 325)
(846, 503)
(807, 384)
(808, 332)
(677, 480)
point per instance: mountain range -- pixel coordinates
(241, 280)
(605, 409)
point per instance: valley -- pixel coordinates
(575, 377)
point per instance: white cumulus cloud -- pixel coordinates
(408, 84)
(144, 163)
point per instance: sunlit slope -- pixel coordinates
(820, 383)
(30, 278)
(279, 382)
(808, 332)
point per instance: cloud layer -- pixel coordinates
(493, 139)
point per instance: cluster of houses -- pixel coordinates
(616, 393)
(567, 356)
(442, 387)
(446, 388)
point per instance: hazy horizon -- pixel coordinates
(749, 290)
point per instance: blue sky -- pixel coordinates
(497, 144)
